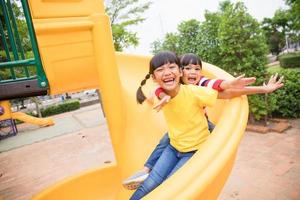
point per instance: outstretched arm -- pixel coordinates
(237, 83)
(271, 86)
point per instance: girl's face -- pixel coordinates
(168, 76)
(191, 74)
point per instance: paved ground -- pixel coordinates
(267, 165)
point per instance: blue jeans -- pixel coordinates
(167, 164)
(163, 143)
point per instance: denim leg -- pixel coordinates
(211, 126)
(156, 153)
(183, 158)
(158, 174)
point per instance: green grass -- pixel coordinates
(276, 69)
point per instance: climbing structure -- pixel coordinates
(21, 74)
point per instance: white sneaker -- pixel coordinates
(134, 181)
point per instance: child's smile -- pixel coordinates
(169, 81)
(192, 80)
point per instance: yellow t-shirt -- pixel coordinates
(185, 117)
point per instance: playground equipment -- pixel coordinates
(8, 118)
(75, 43)
(26, 76)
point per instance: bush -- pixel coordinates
(61, 108)
(291, 60)
(261, 105)
(287, 97)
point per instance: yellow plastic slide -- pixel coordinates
(32, 120)
(76, 47)
(8, 114)
(140, 130)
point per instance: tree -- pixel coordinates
(37, 103)
(284, 24)
(294, 14)
(181, 42)
(276, 29)
(243, 50)
(242, 46)
(209, 49)
(171, 43)
(123, 14)
(294, 20)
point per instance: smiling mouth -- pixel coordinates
(192, 79)
(169, 81)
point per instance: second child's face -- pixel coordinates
(191, 74)
(168, 76)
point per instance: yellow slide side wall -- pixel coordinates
(64, 30)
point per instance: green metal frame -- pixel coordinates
(11, 41)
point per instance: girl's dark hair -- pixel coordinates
(157, 60)
(190, 58)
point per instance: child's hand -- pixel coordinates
(162, 102)
(239, 82)
(273, 84)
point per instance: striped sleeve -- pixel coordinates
(211, 83)
(158, 91)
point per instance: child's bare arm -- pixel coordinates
(163, 99)
(239, 82)
(271, 86)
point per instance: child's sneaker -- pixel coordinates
(134, 181)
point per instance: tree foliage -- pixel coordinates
(243, 50)
(294, 14)
(276, 29)
(284, 23)
(124, 14)
(180, 42)
(242, 47)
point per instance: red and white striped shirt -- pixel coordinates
(211, 83)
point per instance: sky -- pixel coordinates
(164, 16)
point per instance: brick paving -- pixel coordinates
(267, 165)
(29, 169)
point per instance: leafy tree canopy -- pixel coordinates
(284, 23)
(124, 14)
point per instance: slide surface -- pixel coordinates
(32, 120)
(203, 177)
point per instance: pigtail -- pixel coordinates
(140, 97)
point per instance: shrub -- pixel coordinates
(291, 60)
(261, 105)
(61, 108)
(288, 97)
